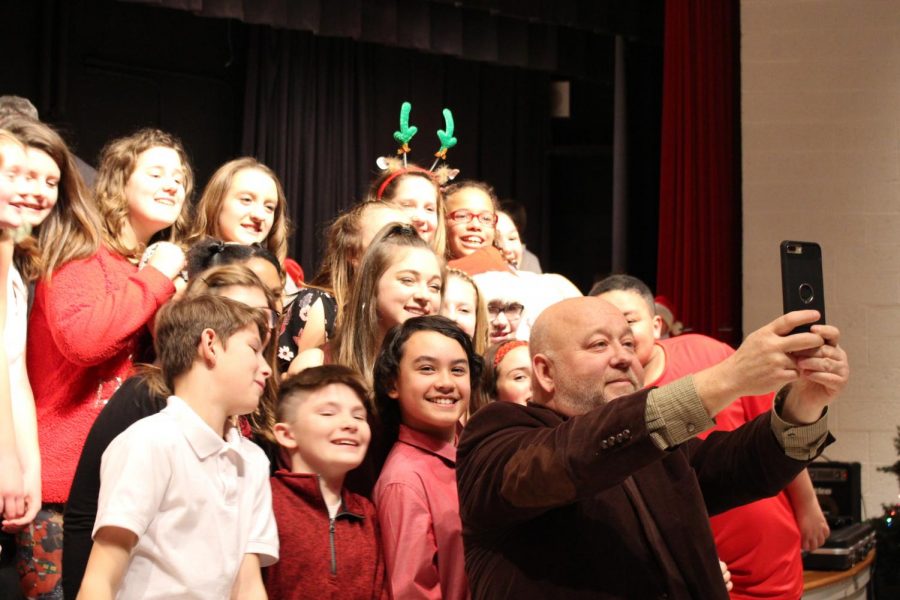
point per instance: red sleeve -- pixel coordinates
(381, 590)
(408, 543)
(691, 353)
(95, 307)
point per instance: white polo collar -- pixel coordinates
(203, 440)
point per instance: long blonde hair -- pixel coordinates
(118, 160)
(206, 213)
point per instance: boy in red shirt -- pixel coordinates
(329, 536)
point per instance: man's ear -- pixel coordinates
(542, 369)
(208, 348)
(284, 436)
(657, 326)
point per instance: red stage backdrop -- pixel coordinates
(699, 206)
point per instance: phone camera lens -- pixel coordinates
(806, 293)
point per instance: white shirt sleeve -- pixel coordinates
(134, 474)
(263, 539)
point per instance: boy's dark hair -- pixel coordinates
(211, 252)
(387, 365)
(299, 386)
(179, 326)
(625, 283)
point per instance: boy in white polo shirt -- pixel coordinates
(185, 507)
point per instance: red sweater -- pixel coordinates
(759, 541)
(81, 336)
(321, 557)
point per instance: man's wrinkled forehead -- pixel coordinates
(607, 320)
(569, 321)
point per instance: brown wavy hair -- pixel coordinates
(117, 163)
(206, 214)
(71, 230)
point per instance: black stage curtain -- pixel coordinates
(561, 36)
(320, 110)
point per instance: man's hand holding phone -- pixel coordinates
(823, 373)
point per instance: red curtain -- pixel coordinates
(699, 206)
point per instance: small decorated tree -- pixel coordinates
(887, 529)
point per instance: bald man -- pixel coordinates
(761, 541)
(599, 490)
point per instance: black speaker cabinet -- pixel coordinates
(838, 489)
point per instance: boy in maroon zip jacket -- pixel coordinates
(329, 536)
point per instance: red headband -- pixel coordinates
(398, 173)
(505, 348)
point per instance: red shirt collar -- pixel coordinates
(427, 443)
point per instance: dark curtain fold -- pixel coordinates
(319, 111)
(699, 218)
(306, 116)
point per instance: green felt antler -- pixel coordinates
(406, 131)
(446, 135)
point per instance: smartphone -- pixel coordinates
(801, 279)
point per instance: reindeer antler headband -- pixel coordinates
(403, 136)
(406, 133)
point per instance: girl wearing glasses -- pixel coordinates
(471, 217)
(145, 394)
(504, 316)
